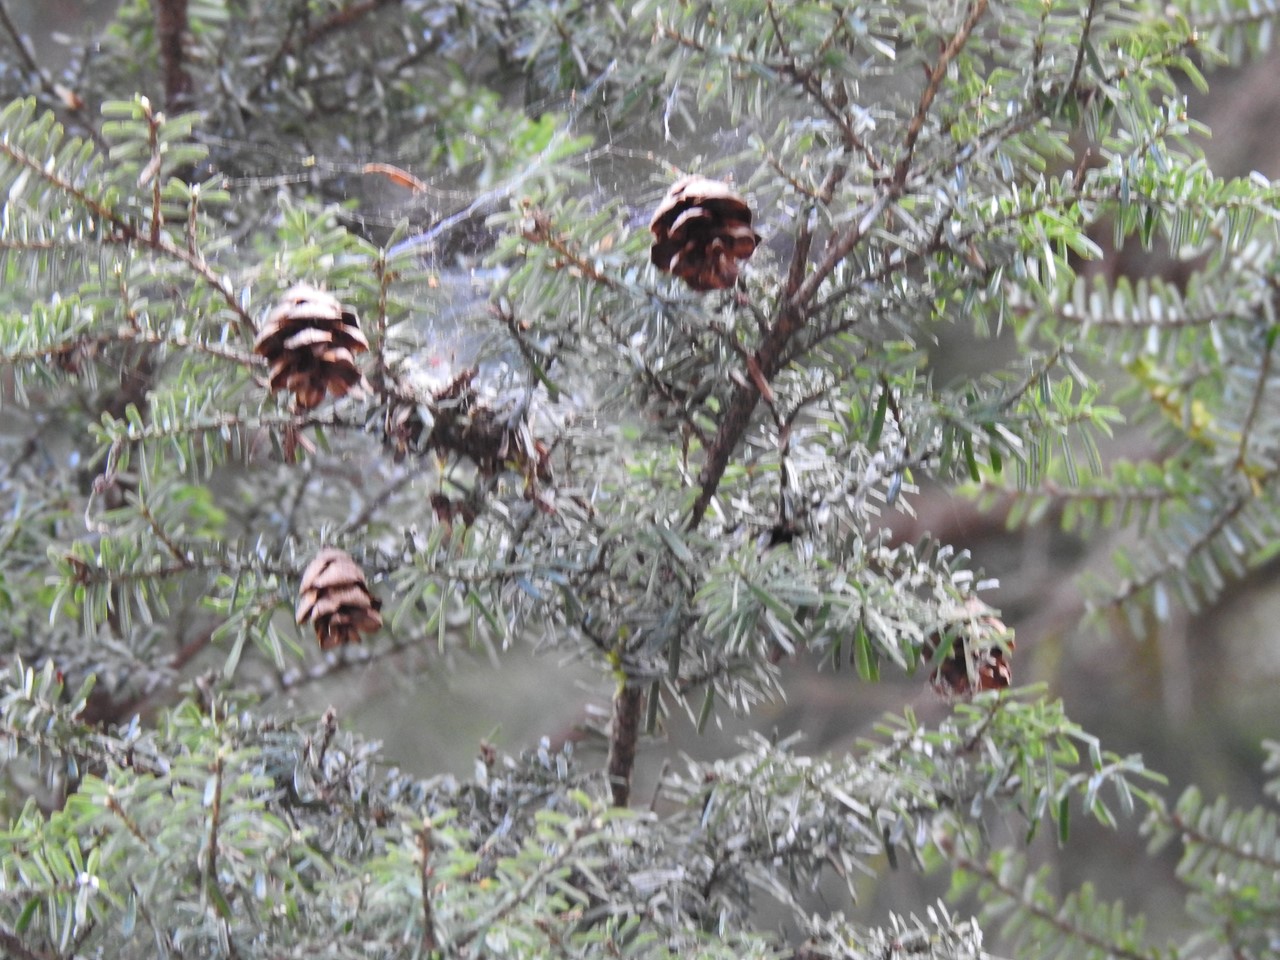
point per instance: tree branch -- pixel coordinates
(429, 943)
(12, 946)
(211, 850)
(124, 231)
(171, 31)
(455, 945)
(769, 358)
(1059, 921)
(346, 17)
(931, 88)
(624, 734)
(67, 99)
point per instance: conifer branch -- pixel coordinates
(1022, 897)
(932, 86)
(1192, 835)
(551, 865)
(624, 735)
(210, 871)
(121, 230)
(429, 941)
(65, 100)
(13, 946)
(1074, 83)
(1261, 387)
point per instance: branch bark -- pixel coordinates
(13, 946)
(772, 354)
(66, 99)
(171, 31)
(624, 734)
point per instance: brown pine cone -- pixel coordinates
(335, 599)
(310, 340)
(701, 230)
(492, 439)
(979, 656)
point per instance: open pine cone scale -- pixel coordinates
(701, 230)
(335, 599)
(311, 341)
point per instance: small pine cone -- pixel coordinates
(446, 511)
(493, 440)
(979, 656)
(335, 599)
(311, 341)
(700, 232)
(404, 425)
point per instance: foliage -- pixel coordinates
(685, 490)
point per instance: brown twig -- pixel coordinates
(1078, 66)
(68, 99)
(457, 944)
(624, 734)
(1052, 917)
(1192, 835)
(429, 942)
(215, 816)
(769, 359)
(152, 171)
(299, 36)
(931, 89)
(11, 945)
(120, 229)
(346, 17)
(114, 806)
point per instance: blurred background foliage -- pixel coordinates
(1014, 311)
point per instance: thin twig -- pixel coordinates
(769, 359)
(429, 942)
(68, 99)
(931, 89)
(152, 171)
(804, 77)
(1261, 388)
(211, 848)
(1129, 589)
(624, 734)
(43, 352)
(1192, 835)
(1078, 66)
(298, 36)
(114, 806)
(122, 230)
(182, 556)
(1052, 917)
(11, 945)
(346, 17)
(453, 946)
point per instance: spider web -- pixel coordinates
(448, 232)
(447, 229)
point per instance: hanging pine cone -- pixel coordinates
(979, 655)
(700, 232)
(492, 439)
(310, 340)
(335, 599)
(404, 425)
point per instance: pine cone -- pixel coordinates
(404, 425)
(335, 599)
(701, 230)
(979, 657)
(492, 439)
(311, 340)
